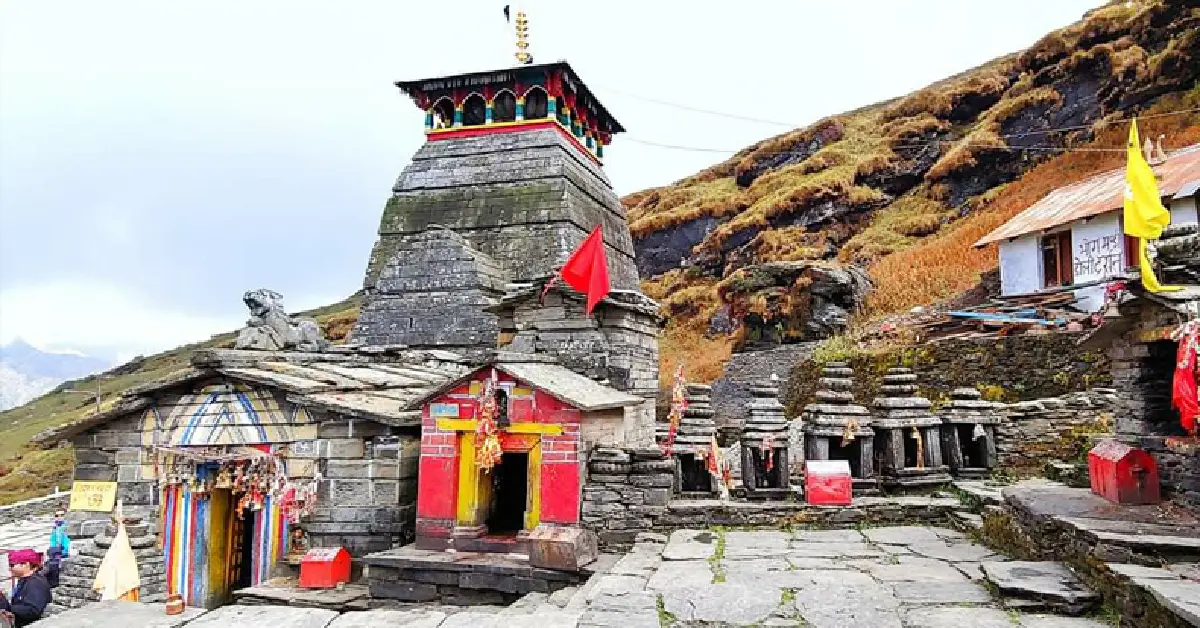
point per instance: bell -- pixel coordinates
(224, 479)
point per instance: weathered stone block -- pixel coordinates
(343, 448)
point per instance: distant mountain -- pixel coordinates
(27, 372)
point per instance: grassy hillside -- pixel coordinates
(26, 471)
(904, 187)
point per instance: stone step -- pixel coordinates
(978, 493)
(966, 521)
(1044, 585)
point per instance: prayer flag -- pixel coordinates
(587, 269)
(1145, 216)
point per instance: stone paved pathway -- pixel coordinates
(898, 577)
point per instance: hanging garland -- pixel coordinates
(678, 406)
(487, 442)
(251, 474)
(1183, 384)
(768, 451)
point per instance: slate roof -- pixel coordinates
(1097, 195)
(553, 379)
(344, 381)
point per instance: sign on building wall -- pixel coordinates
(1100, 256)
(93, 496)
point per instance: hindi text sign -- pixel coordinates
(93, 496)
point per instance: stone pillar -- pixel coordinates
(967, 408)
(833, 419)
(765, 437)
(902, 414)
(79, 571)
(695, 435)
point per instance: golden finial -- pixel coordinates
(523, 56)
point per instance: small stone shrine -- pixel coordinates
(79, 571)
(764, 444)
(694, 438)
(835, 428)
(910, 450)
(969, 434)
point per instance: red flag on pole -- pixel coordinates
(587, 269)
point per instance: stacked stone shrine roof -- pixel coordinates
(899, 405)
(967, 406)
(766, 420)
(697, 427)
(835, 408)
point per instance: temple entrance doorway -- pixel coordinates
(510, 494)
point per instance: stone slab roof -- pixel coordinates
(553, 379)
(375, 387)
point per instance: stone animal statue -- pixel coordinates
(271, 329)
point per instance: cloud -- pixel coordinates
(99, 318)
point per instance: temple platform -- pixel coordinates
(287, 592)
(409, 574)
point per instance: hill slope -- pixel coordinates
(767, 246)
(28, 472)
(875, 208)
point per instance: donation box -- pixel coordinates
(827, 482)
(324, 568)
(1123, 474)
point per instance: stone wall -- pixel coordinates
(526, 199)
(1007, 369)
(36, 507)
(1056, 428)
(731, 392)
(1143, 366)
(366, 498)
(629, 491)
(79, 570)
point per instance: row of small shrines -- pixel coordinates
(899, 443)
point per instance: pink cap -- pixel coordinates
(24, 556)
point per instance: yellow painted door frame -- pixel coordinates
(475, 487)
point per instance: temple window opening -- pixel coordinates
(474, 110)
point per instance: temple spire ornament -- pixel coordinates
(522, 26)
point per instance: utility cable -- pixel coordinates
(959, 142)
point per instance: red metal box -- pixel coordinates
(325, 568)
(1123, 474)
(827, 482)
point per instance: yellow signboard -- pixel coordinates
(93, 496)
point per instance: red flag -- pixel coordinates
(587, 269)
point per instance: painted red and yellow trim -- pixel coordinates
(510, 127)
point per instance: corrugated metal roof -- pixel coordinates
(1188, 189)
(1098, 195)
(553, 379)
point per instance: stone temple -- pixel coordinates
(509, 183)
(285, 441)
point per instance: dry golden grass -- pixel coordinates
(904, 220)
(716, 197)
(946, 264)
(690, 304)
(790, 244)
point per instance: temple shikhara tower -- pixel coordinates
(508, 183)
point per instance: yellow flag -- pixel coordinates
(1145, 216)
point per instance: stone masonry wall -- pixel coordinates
(36, 507)
(1143, 367)
(526, 199)
(731, 392)
(1008, 369)
(625, 492)
(1035, 432)
(366, 499)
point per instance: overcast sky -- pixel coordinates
(157, 159)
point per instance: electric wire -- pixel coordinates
(958, 142)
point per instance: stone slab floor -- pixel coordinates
(897, 577)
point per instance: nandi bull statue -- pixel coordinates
(271, 329)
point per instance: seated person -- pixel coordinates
(31, 592)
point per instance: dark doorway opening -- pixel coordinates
(763, 477)
(510, 491)
(849, 453)
(693, 474)
(974, 450)
(242, 556)
(911, 455)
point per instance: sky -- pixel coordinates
(158, 159)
